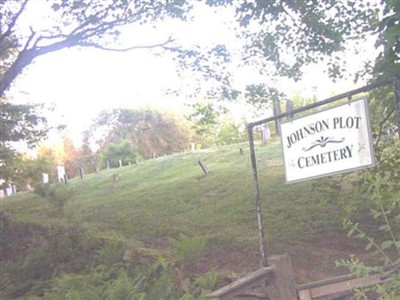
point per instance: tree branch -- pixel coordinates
(94, 45)
(13, 21)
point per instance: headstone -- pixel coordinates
(96, 170)
(108, 164)
(45, 178)
(203, 165)
(193, 147)
(241, 151)
(266, 133)
(116, 177)
(289, 108)
(8, 190)
(14, 188)
(60, 173)
(120, 163)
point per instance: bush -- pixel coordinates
(189, 248)
(57, 195)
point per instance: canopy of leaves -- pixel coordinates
(150, 132)
(21, 123)
(115, 153)
(71, 23)
(18, 123)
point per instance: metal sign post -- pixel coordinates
(250, 126)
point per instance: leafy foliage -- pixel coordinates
(102, 284)
(18, 123)
(80, 23)
(212, 125)
(118, 152)
(381, 187)
(189, 248)
(149, 132)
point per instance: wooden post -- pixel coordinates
(277, 112)
(241, 151)
(81, 172)
(65, 179)
(282, 285)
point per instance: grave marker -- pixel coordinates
(203, 165)
(45, 178)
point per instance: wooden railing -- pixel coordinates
(276, 283)
(342, 283)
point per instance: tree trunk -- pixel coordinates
(24, 59)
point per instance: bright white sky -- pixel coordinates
(82, 82)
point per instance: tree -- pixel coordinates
(114, 153)
(72, 23)
(18, 123)
(287, 35)
(149, 132)
(212, 125)
(70, 157)
(88, 159)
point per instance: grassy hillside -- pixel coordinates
(169, 208)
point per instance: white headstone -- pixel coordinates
(60, 173)
(45, 178)
(8, 191)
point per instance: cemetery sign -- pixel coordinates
(328, 142)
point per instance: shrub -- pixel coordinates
(189, 248)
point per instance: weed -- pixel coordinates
(189, 249)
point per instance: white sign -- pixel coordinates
(328, 142)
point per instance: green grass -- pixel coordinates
(164, 198)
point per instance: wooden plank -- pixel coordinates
(243, 284)
(305, 295)
(331, 280)
(342, 286)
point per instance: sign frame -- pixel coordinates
(367, 135)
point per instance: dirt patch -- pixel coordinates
(311, 261)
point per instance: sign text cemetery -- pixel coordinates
(328, 142)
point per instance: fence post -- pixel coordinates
(282, 286)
